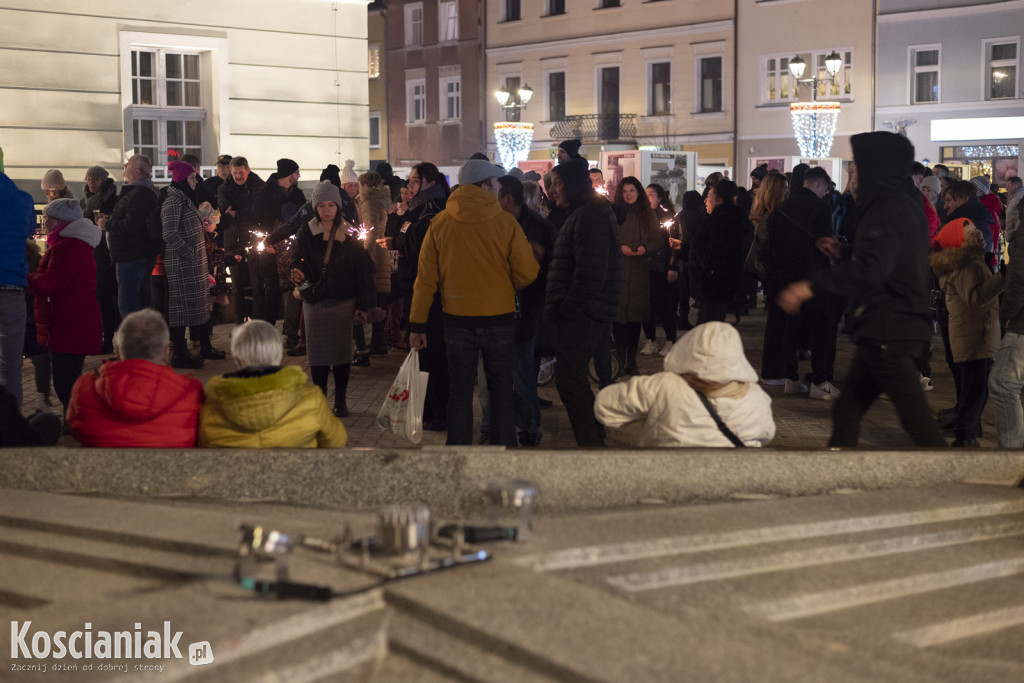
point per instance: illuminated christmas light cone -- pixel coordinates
(814, 124)
(513, 138)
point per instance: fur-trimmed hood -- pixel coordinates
(380, 195)
(950, 260)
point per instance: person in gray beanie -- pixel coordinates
(66, 310)
(334, 276)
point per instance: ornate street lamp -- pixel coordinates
(513, 137)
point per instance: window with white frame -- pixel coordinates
(167, 104)
(373, 60)
(374, 130)
(447, 21)
(512, 10)
(416, 100)
(779, 85)
(556, 95)
(414, 24)
(450, 88)
(1001, 61)
(659, 85)
(709, 79)
(924, 70)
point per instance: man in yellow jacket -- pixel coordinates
(478, 256)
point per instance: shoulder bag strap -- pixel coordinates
(718, 421)
(330, 245)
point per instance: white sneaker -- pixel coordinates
(46, 404)
(665, 349)
(824, 391)
(649, 348)
(795, 387)
(926, 382)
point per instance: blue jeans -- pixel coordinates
(497, 346)
(13, 315)
(527, 407)
(133, 284)
(1005, 383)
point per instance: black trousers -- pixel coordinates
(240, 291)
(574, 349)
(266, 289)
(891, 369)
(712, 311)
(973, 376)
(664, 300)
(67, 368)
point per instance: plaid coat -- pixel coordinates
(188, 278)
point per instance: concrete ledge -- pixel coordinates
(449, 478)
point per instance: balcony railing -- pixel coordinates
(606, 127)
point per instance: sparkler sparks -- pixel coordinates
(601, 191)
(360, 233)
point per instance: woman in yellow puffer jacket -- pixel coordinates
(263, 405)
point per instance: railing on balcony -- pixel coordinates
(607, 127)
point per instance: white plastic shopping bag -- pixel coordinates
(402, 412)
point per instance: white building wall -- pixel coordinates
(960, 29)
(281, 79)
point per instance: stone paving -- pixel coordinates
(800, 421)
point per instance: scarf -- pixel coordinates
(54, 235)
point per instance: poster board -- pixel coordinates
(675, 171)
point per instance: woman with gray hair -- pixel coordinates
(264, 405)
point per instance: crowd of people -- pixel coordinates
(485, 278)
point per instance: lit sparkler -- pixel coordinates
(668, 224)
(601, 191)
(360, 233)
(260, 246)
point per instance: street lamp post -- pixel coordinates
(513, 136)
(814, 123)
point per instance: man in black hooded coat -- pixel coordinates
(887, 281)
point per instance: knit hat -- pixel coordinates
(517, 173)
(97, 172)
(481, 156)
(983, 184)
(53, 180)
(951, 235)
(475, 170)
(326, 191)
(571, 147)
(285, 167)
(331, 173)
(932, 182)
(532, 175)
(180, 170)
(760, 172)
(348, 174)
(65, 210)
(385, 171)
(713, 352)
(575, 175)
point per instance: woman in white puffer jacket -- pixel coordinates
(708, 359)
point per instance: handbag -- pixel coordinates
(722, 427)
(313, 293)
(402, 411)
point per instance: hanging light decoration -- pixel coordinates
(514, 139)
(814, 125)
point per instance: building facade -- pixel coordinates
(770, 33)
(949, 76)
(93, 84)
(376, 68)
(615, 73)
(434, 74)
